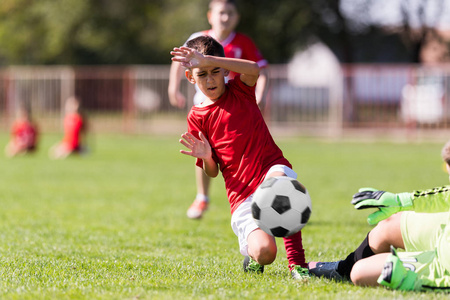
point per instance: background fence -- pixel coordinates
(133, 99)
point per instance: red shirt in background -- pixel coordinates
(73, 125)
(24, 134)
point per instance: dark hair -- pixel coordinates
(206, 45)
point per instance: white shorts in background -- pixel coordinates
(242, 221)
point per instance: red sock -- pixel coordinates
(294, 250)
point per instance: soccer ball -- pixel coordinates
(281, 206)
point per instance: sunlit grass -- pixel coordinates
(112, 224)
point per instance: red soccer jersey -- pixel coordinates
(24, 133)
(73, 123)
(240, 140)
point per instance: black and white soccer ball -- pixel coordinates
(281, 206)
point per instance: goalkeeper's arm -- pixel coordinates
(432, 200)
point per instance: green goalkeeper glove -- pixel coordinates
(387, 203)
(396, 276)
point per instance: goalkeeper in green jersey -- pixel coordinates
(418, 222)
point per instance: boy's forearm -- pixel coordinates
(236, 65)
(210, 167)
(175, 76)
(261, 86)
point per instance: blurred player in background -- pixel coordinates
(23, 134)
(223, 17)
(74, 128)
(417, 222)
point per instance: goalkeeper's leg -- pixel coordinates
(365, 272)
(386, 233)
(385, 269)
(379, 239)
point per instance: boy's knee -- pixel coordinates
(381, 236)
(388, 222)
(265, 254)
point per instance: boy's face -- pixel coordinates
(223, 17)
(71, 105)
(211, 80)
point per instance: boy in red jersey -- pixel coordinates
(23, 134)
(227, 132)
(223, 17)
(73, 129)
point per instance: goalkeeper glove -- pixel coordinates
(387, 203)
(396, 276)
(431, 200)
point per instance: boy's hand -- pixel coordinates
(177, 99)
(387, 203)
(189, 58)
(199, 148)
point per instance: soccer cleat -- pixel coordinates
(197, 209)
(298, 272)
(252, 266)
(327, 270)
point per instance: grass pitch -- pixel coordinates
(112, 224)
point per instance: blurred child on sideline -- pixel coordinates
(227, 132)
(223, 17)
(24, 134)
(74, 128)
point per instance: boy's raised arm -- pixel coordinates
(191, 58)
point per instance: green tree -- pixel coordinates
(144, 31)
(94, 31)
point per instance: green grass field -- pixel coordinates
(112, 224)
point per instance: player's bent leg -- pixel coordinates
(296, 256)
(365, 272)
(387, 233)
(262, 251)
(262, 247)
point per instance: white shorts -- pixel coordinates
(242, 221)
